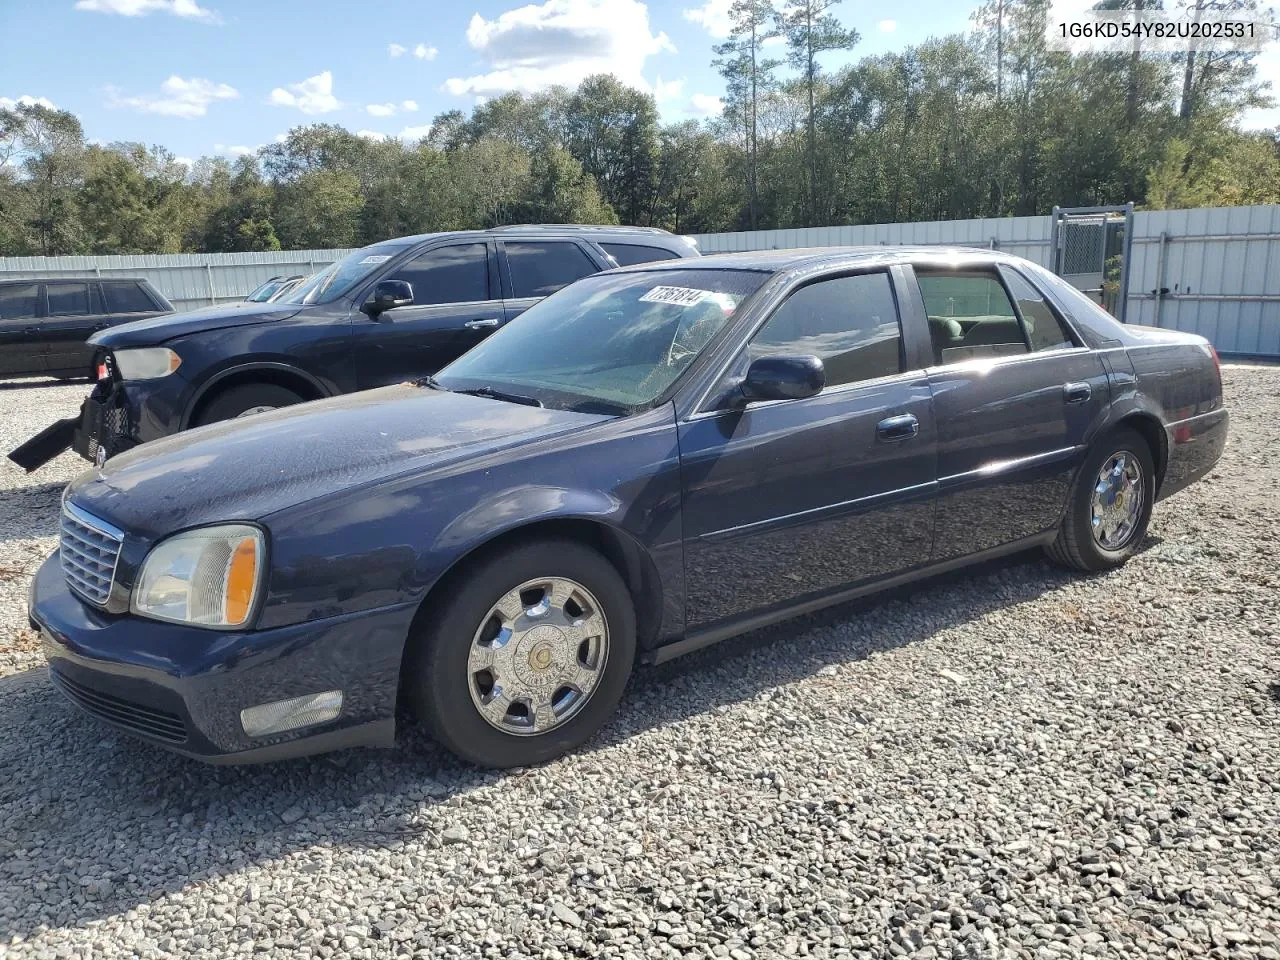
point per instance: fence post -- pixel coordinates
(1162, 262)
(208, 274)
(1125, 256)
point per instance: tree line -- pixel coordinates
(988, 123)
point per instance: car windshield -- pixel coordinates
(611, 343)
(337, 278)
(266, 291)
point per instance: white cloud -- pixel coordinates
(706, 104)
(177, 97)
(1264, 118)
(185, 161)
(560, 42)
(395, 50)
(423, 52)
(776, 40)
(409, 106)
(372, 135)
(381, 109)
(713, 15)
(414, 134)
(234, 150)
(667, 89)
(7, 103)
(888, 26)
(312, 95)
(188, 9)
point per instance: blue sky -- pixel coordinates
(225, 76)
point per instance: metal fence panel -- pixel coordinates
(1212, 271)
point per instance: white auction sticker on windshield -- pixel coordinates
(374, 259)
(681, 296)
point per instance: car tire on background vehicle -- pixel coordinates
(244, 400)
(566, 645)
(1113, 492)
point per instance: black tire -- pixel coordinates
(1075, 545)
(437, 679)
(234, 402)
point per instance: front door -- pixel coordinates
(1016, 397)
(789, 500)
(456, 303)
(21, 348)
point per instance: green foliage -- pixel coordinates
(991, 123)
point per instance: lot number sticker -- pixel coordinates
(374, 259)
(680, 296)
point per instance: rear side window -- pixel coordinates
(541, 268)
(126, 298)
(970, 316)
(18, 301)
(1044, 329)
(849, 323)
(628, 253)
(67, 299)
(456, 274)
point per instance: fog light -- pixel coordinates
(282, 715)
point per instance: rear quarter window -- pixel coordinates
(127, 298)
(631, 253)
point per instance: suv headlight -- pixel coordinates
(146, 363)
(210, 576)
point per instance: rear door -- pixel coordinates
(21, 350)
(73, 312)
(533, 269)
(789, 500)
(1017, 397)
(456, 302)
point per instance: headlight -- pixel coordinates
(146, 363)
(208, 577)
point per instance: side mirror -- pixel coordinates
(389, 294)
(783, 378)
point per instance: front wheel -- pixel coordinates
(245, 401)
(1110, 504)
(527, 656)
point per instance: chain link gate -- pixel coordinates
(1090, 249)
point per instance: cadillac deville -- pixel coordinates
(646, 462)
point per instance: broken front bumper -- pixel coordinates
(102, 430)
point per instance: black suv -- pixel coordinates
(44, 323)
(393, 311)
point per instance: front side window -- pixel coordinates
(539, 269)
(970, 316)
(126, 298)
(609, 343)
(67, 299)
(849, 323)
(1044, 329)
(453, 274)
(18, 301)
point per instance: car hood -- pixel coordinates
(155, 330)
(248, 469)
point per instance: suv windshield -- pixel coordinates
(337, 278)
(609, 343)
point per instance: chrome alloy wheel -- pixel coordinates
(1117, 502)
(538, 656)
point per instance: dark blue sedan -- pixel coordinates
(648, 461)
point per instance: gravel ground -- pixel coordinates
(1015, 762)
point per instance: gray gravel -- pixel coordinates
(1015, 762)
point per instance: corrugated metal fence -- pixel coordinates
(1213, 271)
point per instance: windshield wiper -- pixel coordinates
(493, 394)
(432, 382)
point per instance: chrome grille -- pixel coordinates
(89, 549)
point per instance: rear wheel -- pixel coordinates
(246, 400)
(527, 655)
(1110, 504)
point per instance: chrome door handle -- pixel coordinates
(1076, 392)
(898, 428)
(486, 324)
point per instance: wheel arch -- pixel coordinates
(278, 374)
(623, 551)
(1149, 427)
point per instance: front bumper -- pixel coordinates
(183, 688)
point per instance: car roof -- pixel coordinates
(595, 231)
(85, 279)
(803, 257)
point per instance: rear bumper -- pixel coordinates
(1195, 446)
(182, 688)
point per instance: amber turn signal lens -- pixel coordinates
(242, 575)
